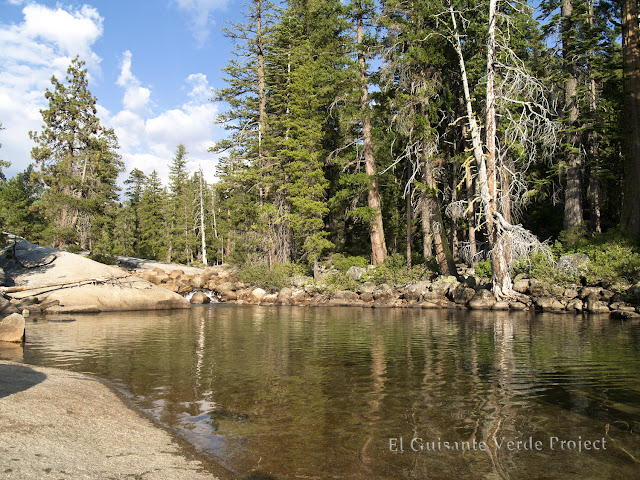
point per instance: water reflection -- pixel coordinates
(294, 393)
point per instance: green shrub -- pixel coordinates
(483, 269)
(394, 271)
(73, 248)
(103, 258)
(344, 263)
(271, 279)
(340, 281)
(613, 258)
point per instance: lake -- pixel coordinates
(351, 393)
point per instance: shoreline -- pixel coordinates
(57, 423)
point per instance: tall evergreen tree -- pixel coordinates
(631, 57)
(181, 208)
(152, 211)
(20, 207)
(77, 156)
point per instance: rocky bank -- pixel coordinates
(467, 291)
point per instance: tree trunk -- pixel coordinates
(409, 224)
(427, 235)
(573, 209)
(631, 59)
(204, 241)
(443, 254)
(502, 284)
(376, 228)
(471, 215)
(262, 95)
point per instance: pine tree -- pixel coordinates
(129, 212)
(358, 115)
(311, 56)
(247, 164)
(77, 158)
(20, 207)
(181, 201)
(415, 81)
(631, 57)
(152, 212)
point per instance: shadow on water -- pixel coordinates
(261, 476)
(17, 378)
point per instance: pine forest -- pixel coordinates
(425, 136)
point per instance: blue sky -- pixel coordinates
(151, 65)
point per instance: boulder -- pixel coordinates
(12, 328)
(633, 294)
(482, 300)
(593, 304)
(516, 305)
(176, 273)
(548, 304)
(356, 273)
(199, 298)
(384, 292)
(575, 305)
(228, 296)
(226, 287)
(366, 297)
(172, 287)
(521, 285)
(571, 292)
(444, 285)
(462, 295)
(471, 281)
(625, 315)
(367, 287)
(434, 297)
(185, 288)
(285, 296)
(346, 295)
(587, 291)
(257, 295)
(299, 296)
(537, 288)
(3, 280)
(129, 295)
(415, 291)
(86, 282)
(6, 307)
(500, 306)
(149, 276)
(573, 265)
(198, 282)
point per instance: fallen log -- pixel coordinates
(95, 281)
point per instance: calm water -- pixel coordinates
(339, 393)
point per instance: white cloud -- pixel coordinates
(136, 97)
(38, 47)
(42, 45)
(200, 13)
(148, 141)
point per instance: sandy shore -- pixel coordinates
(56, 424)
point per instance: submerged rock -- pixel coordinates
(199, 298)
